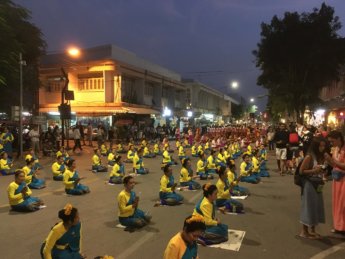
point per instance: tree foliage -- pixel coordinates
(298, 55)
(18, 36)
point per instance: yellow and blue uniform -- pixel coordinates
(31, 180)
(71, 186)
(156, 149)
(65, 155)
(200, 149)
(18, 201)
(201, 169)
(130, 155)
(62, 242)
(138, 165)
(117, 173)
(194, 151)
(224, 197)
(246, 175)
(177, 248)
(166, 194)
(120, 149)
(236, 189)
(111, 158)
(255, 163)
(147, 153)
(186, 180)
(221, 160)
(7, 139)
(218, 233)
(5, 167)
(128, 215)
(97, 164)
(37, 164)
(263, 172)
(181, 153)
(186, 143)
(58, 170)
(167, 158)
(211, 165)
(104, 150)
(207, 146)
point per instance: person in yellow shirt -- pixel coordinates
(200, 149)
(19, 195)
(138, 163)
(7, 140)
(31, 154)
(111, 157)
(5, 164)
(104, 150)
(31, 175)
(167, 194)
(71, 180)
(227, 152)
(224, 201)
(215, 232)
(186, 176)
(194, 150)
(156, 150)
(184, 244)
(147, 153)
(186, 143)
(120, 149)
(58, 168)
(118, 171)
(178, 144)
(236, 190)
(201, 167)
(221, 161)
(262, 157)
(97, 166)
(65, 238)
(181, 153)
(246, 169)
(211, 162)
(143, 143)
(130, 154)
(167, 158)
(129, 213)
(63, 152)
(255, 163)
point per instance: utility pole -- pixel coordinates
(20, 133)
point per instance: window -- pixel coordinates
(91, 82)
(55, 84)
(149, 88)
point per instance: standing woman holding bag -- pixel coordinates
(313, 171)
(338, 186)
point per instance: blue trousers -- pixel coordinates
(27, 205)
(231, 205)
(78, 190)
(193, 185)
(58, 177)
(138, 219)
(170, 198)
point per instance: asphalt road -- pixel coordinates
(271, 219)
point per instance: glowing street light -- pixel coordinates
(251, 100)
(234, 84)
(73, 52)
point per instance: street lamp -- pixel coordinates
(251, 100)
(234, 84)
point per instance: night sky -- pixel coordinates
(208, 40)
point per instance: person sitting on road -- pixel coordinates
(104, 150)
(156, 150)
(64, 239)
(58, 168)
(138, 163)
(147, 153)
(111, 157)
(221, 161)
(236, 190)
(19, 195)
(211, 162)
(256, 164)
(167, 158)
(71, 180)
(120, 149)
(224, 201)
(97, 166)
(181, 153)
(215, 232)
(200, 149)
(194, 150)
(31, 154)
(167, 194)
(130, 153)
(5, 164)
(186, 176)
(63, 152)
(118, 171)
(184, 244)
(246, 168)
(31, 175)
(201, 167)
(129, 213)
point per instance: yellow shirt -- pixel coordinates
(28, 178)
(96, 160)
(193, 150)
(146, 151)
(222, 193)
(226, 155)
(206, 208)
(186, 142)
(255, 163)
(69, 184)
(211, 162)
(119, 147)
(164, 184)
(111, 157)
(124, 209)
(207, 145)
(178, 144)
(130, 155)
(221, 158)
(115, 171)
(231, 177)
(4, 165)
(15, 199)
(243, 171)
(176, 248)
(181, 151)
(103, 149)
(156, 148)
(55, 168)
(200, 149)
(184, 175)
(200, 166)
(166, 157)
(55, 234)
(137, 165)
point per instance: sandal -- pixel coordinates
(316, 235)
(307, 236)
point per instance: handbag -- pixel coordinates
(337, 175)
(317, 183)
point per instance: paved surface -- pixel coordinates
(271, 220)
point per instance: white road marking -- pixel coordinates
(329, 251)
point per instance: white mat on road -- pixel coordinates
(239, 197)
(234, 242)
(120, 226)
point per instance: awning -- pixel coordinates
(139, 110)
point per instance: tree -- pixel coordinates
(21, 37)
(298, 55)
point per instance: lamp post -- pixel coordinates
(21, 64)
